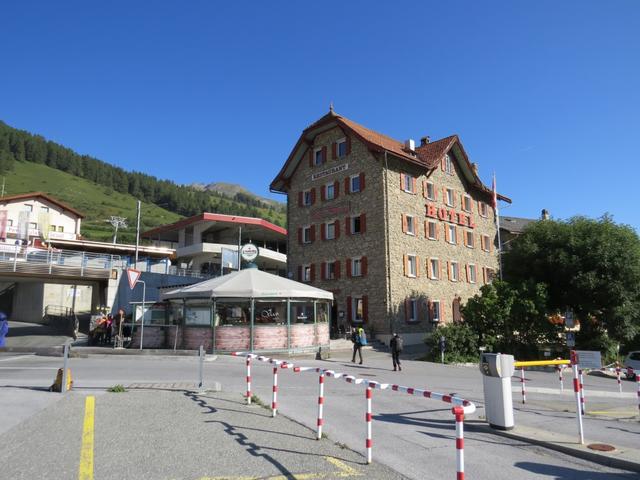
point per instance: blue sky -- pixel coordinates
(544, 93)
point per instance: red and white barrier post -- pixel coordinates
(522, 382)
(320, 403)
(618, 370)
(638, 383)
(248, 380)
(576, 390)
(559, 368)
(459, 413)
(368, 418)
(274, 395)
(581, 392)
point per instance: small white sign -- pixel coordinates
(133, 276)
(249, 252)
(568, 319)
(588, 359)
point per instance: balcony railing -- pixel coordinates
(20, 259)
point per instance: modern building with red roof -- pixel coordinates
(208, 243)
(401, 234)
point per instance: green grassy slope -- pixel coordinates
(96, 202)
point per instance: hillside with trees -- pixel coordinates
(19, 146)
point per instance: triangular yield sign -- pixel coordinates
(133, 276)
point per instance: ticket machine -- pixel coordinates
(497, 370)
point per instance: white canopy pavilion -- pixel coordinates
(249, 310)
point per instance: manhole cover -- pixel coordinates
(601, 447)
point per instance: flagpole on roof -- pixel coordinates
(494, 203)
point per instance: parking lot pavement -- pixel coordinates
(165, 434)
(411, 435)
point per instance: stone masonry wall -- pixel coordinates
(422, 287)
(370, 243)
(384, 316)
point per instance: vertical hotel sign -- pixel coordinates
(23, 225)
(4, 214)
(44, 222)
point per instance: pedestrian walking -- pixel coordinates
(396, 345)
(358, 338)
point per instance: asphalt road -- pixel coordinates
(413, 437)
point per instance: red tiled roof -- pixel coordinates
(217, 217)
(428, 155)
(431, 154)
(25, 196)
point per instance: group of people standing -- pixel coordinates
(106, 328)
(359, 339)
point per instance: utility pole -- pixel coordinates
(138, 234)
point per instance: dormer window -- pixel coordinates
(448, 165)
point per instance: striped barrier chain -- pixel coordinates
(524, 390)
(460, 405)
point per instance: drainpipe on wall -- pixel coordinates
(386, 241)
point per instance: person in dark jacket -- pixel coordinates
(396, 348)
(357, 344)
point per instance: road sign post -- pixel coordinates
(134, 278)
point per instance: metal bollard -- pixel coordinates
(200, 367)
(65, 363)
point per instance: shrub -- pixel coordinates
(461, 343)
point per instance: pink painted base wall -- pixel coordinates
(234, 338)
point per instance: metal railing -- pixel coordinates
(20, 259)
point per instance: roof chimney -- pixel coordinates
(424, 140)
(410, 145)
(545, 214)
(474, 165)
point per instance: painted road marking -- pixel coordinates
(18, 357)
(85, 471)
(344, 471)
(28, 368)
(616, 413)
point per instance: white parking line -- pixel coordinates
(18, 357)
(28, 368)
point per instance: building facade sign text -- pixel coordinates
(450, 215)
(329, 171)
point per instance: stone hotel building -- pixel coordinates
(401, 234)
